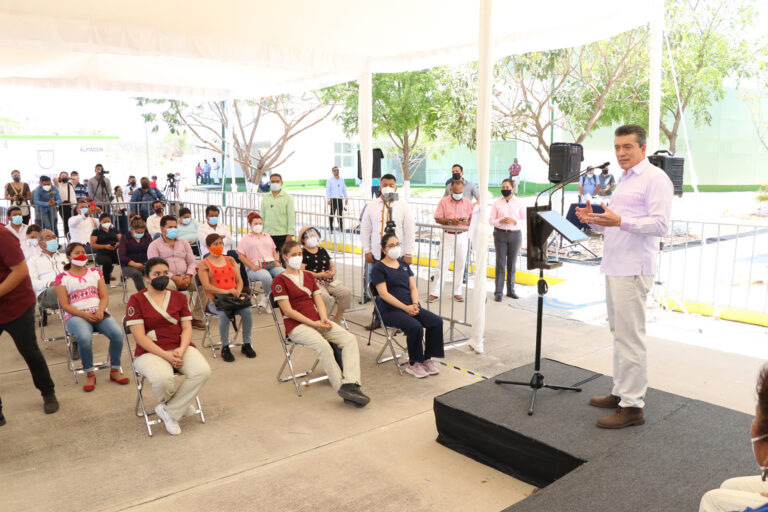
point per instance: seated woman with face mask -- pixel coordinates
(318, 262)
(161, 323)
(398, 302)
(306, 322)
(219, 275)
(258, 253)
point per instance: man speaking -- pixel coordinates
(638, 216)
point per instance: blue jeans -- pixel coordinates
(246, 314)
(265, 277)
(206, 178)
(83, 330)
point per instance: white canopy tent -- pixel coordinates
(251, 48)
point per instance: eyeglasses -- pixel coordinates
(392, 246)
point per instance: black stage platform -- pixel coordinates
(685, 448)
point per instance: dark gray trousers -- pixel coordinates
(507, 245)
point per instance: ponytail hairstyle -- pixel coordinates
(71, 247)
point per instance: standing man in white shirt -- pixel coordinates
(336, 192)
(68, 198)
(216, 169)
(153, 221)
(82, 224)
(44, 267)
(212, 225)
(377, 217)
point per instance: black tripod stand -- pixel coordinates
(541, 221)
(537, 380)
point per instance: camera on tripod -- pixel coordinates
(102, 172)
(390, 227)
(170, 177)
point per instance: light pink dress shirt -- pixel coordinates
(257, 248)
(643, 199)
(513, 209)
(181, 260)
(447, 208)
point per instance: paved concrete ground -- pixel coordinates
(264, 448)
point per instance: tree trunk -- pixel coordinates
(406, 168)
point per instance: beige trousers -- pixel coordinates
(338, 295)
(735, 494)
(159, 373)
(319, 340)
(197, 307)
(626, 297)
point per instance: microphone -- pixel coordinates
(606, 164)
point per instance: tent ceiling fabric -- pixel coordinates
(249, 48)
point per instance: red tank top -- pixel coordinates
(224, 276)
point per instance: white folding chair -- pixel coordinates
(208, 319)
(389, 334)
(288, 347)
(73, 367)
(138, 378)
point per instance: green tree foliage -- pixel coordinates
(709, 43)
(410, 109)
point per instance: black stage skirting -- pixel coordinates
(685, 448)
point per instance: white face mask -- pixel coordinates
(394, 252)
(79, 263)
(107, 225)
(32, 242)
(312, 241)
(295, 262)
(754, 452)
(275, 186)
(257, 228)
(388, 190)
(47, 188)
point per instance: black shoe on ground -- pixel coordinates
(359, 391)
(374, 325)
(366, 300)
(226, 354)
(45, 319)
(247, 350)
(349, 392)
(2, 418)
(512, 294)
(50, 404)
(75, 352)
(497, 297)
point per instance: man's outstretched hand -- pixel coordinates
(609, 218)
(584, 213)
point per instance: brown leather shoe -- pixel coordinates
(622, 417)
(605, 402)
(198, 324)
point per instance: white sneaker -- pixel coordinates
(171, 425)
(417, 370)
(264, 303)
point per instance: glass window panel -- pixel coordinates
(347, 161)
(337, 147)
(347, 147)
(337, 161)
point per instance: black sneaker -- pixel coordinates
(226, 354)
(350, 393)
(75, 352)
(50, 404)
(497, 297)
(359, 391)
(512, 294)
(2, 418)
(247, 350)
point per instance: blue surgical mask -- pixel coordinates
(138, 236)
(457, 197)
(186, 220)
(17, 220)
(172, 233)
(83, 211)
(213, 221)
(52, 245)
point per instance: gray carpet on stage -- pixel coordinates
(685, 448)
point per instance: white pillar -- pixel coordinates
(485, 86)
(365, 126)
(656, 45)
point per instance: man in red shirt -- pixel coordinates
(17, 316)
(455, 212)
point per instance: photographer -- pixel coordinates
(142, 199)
(19, 194)
(46, 200)
(100, 188)
(386, 213)
(68, 198)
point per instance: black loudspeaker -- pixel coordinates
(673, 165)
(564, 160)
(378, 155)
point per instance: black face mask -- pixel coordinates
(456, 176)
(506, 193)
(145, 186)
(160, 283)
(159, 211)
(605, 171)
(63, 180)
(17, 179)
(133, 183)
